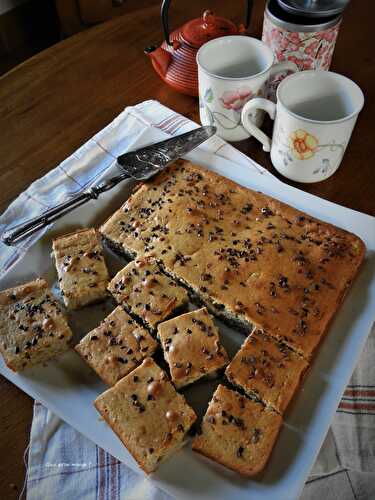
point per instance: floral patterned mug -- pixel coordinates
(231, 71)
(314, 118)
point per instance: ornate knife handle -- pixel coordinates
(18, 233)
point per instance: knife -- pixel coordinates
(141, 165)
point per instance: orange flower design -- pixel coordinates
(303, 144)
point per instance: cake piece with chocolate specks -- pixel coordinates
(81, 269)
(146, 292)
(147, 414)
(237, 432)
(116, 346)
(32, 326)
(192, 347)
(267, 369)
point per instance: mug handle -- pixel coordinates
(251, 128)
(283, 66)
(266, 105)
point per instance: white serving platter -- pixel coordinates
(68, 387)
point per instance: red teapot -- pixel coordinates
(174, 60)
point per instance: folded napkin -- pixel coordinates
(61, 462)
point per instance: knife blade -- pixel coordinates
(141, 164)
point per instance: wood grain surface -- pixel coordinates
(55, 101)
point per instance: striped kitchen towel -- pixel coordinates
(61, 462)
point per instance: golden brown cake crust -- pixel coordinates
(82, 272)
(147, 414)
(116, 346)
(257, 259)
(192, 347)
(146, 292)
(32, 326)
(268, 370)
(237, 432)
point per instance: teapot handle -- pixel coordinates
(164, 17)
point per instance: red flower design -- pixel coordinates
(311, 48)
(236, 99)
(329, 35)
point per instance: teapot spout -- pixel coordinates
(160, 59)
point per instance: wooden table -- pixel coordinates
(55, 101)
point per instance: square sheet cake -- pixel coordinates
(250, 258)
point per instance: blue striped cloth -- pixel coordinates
(64, 464)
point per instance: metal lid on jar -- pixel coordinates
(300, 23)
(314, 8)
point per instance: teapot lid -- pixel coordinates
(314, 8)
(205, 28)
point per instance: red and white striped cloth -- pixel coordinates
(61, 462)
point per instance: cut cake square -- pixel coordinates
(192, 347)
(81, 269)
(32, 326)
(146, 292)
(147, 414)
(237, 432)
(116, 346)
(268, 370)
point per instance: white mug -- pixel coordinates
(231, 71)
(314, 118)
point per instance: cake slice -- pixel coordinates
(81, 269)
(32, 326)
(147, 293)
(116, 346)
(147, 414)
(237, 432)
(268, 370)
(192, 347)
